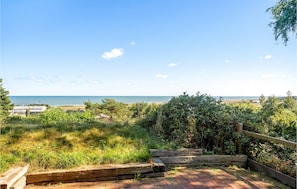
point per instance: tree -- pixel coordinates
(290, 103)
(5, 104)
(284, 15)
(262, 99)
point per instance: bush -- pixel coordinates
(194, 121)
(54, 116)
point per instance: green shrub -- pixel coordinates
(55, 116)
(193, 121)
(7, 160)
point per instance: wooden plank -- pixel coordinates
(5, 177)
(286, 143)
(179, 152)
(239, 160)
(12, 175)
(158, 165)
(101, 173)
(20, 184)
(273, 173)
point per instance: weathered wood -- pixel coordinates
(158, 165)
(286, 143)
(286, 179)
(225, 160)
(20, 184)
(179, 152)
(12, 176)
(239, 128)
(95, 174)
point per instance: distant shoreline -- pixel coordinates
(80, 100)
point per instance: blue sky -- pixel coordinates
(149, 47)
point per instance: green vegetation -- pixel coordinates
(5, 104)
(194, 121)
(67, 145)
(115, 132)
(120, 112)
(284, 15)
(275, 117)
(204, 122)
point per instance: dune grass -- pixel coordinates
(65, 146)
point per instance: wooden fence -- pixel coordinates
(285, 143)
(262, 168)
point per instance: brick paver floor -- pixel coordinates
(183, 178)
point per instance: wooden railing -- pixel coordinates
(285, 143)
(254, 165)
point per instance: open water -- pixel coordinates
(79, 100)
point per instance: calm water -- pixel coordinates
(79, 100)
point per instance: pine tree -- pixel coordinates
(5, 104)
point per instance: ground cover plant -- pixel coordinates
(56, 140)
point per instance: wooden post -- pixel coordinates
(239, 128)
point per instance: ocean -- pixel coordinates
(79, 100)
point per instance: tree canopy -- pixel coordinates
(284, 19)
(5, 104)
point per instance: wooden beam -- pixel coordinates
(179, 152)
(286, 143)
(254, 165)
(20, 184)
(101, 173)
(12, 176)
(215, 160)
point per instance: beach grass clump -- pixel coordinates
(68, 145)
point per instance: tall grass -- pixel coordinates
(67, 145)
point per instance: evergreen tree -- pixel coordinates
(5, 104)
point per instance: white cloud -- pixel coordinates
(114, 53)
(161, 76)
(172, 65)
(132, 43)
(227, 61)
(267, 57)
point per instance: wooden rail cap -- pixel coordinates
(286, 143)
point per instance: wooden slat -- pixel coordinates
(286, 143)
(206, 160)
(273, 173)
(171, 153)
(97, 174)
(20, 184)
(12, 176)
(158, 165)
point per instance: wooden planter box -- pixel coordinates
(286, 179)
